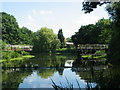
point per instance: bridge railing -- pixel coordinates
(92, 46)
(19, 47)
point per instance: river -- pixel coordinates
(44, 69)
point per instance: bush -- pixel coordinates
(13, 54)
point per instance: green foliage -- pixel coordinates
(26, 36)
(10, 29)
(45, 41)
(12, 34)
(61, 38)
(2, 44)
(66, 50)
(13, 54)
(114, 47)
(105, 28)
(113, 10)
(88, 5)
(91, 34)
(23, 52)
(9, 54)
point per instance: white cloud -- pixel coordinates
(36, 19)
(34, 12)
(30, 18)
(42, 12)
(45, 12)
(55, 20)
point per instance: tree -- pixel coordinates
(105, 28)
(61, 38)
(113, 10)
(114, 54)
(45, 41)
(93, 33)
(10, 29)
(2, 45)
(88, 5)
(26, 36)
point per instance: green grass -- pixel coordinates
(89, 56)
(97, 56)
(66, 50)
(101, 56)
(100, 51)
(18, 58)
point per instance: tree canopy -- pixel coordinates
(94, 33)
(113, 10)
(45, 40)
(12, 33)
(10, 29)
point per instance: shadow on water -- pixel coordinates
(38, 72)
(102, 75)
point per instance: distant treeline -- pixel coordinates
(44, 40)
(100, 32)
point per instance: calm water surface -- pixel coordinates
(39, 72)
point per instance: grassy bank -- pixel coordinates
(18, 58)
(14, 55)
(66, 50)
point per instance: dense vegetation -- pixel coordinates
(45, 41)
(7, 55)
(94, 34)
(113, 10)
(12, 34)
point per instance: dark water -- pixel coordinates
(39, 72)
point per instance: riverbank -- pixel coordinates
(66, 50)
(14, 55)
(18, 58)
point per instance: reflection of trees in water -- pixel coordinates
(109, 78)
(11, 78)
(105, 78)
(46, 73)
(41, 60)
(92, 72)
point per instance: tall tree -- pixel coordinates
(61, 38)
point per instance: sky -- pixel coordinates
(67, 16)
